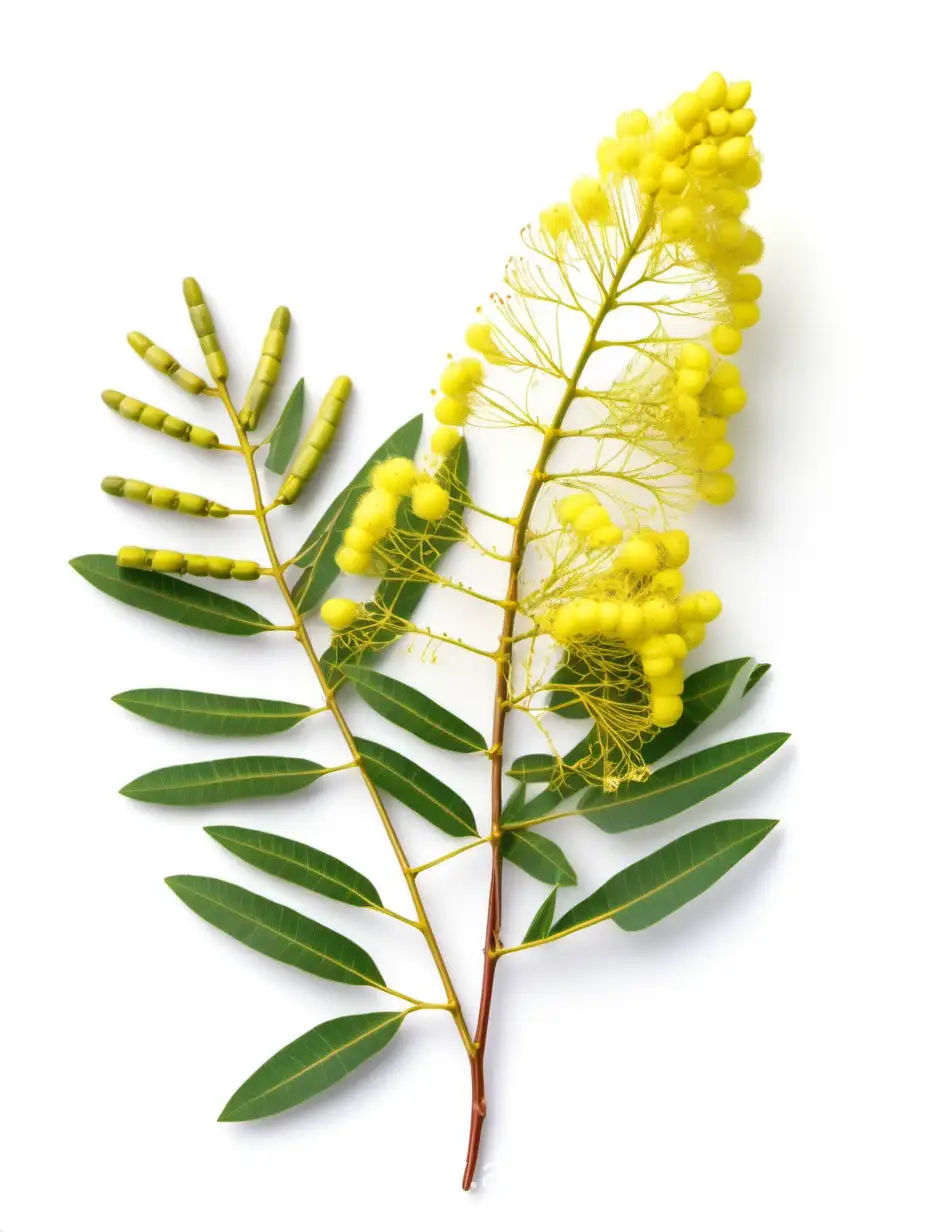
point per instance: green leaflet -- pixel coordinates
(277, 931)
(228, 778)
(312, 1063)
(564, 702)
(171, 598)
(293, 861)
(703, 693)
(422, 792)
(415, 711)
(542, 919)
(400, 598)
(652, 888)
(286, 431)
(757, 675)
(677, 786)
(212, 714)
(539, 857)
(317, 555)
(539, 767)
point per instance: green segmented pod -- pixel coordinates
(159, 421)
(161, 560)
(163, 498)
(164, 362)
(268, 369)
(316, 441)
(202, 320)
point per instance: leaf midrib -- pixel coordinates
(296, 864)
(236, 778)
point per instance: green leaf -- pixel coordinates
(677, 786)
(171, 598)
(514, 804)
(703, 693)
(277, 931)
(564, 702)
(311, 1064)
(286, 431)
(539, 857)
(422, 792)
(228, 778)
(652, 888)
(212, 714)
(539, 767)
(399, 598)
(317, 555)
(293, 861)
(542, 919)
(415, 711)
(757, 675)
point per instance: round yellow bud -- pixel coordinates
(726, 339)
(742, 121)
(676, 545)
(460, 378)
(746, 287)
(444, 440)
(732, 400)
(744, 315)
(652, 165)
(665, 711)
(668, 582)
(246, 570)
(718, 456)
(725, 375)
(718, 488)
(430, 501)
(451, 412)
(609, 616)
(659, 665)
(556, 220)
(632, 124)
(396, 476)
(628, 152)
(704, 158)
(676, 646)
(660, 616)
(570, 508)
(730, 198)
(693, 355)
(653, 648)
(564, 626)
(589, 199)
(673, 178)
(631, 622)
(604, 536)
(752, 248)
(678, 223)
(737, 95)
(339, 614)
(607, 156)
(719, 122)
(734, 151)
(688, 406)
(376, 512)
(586, 615)
(350, 560)
(639, 556)
(688, 110)
(479, 337)
(749, 174)
(693, 633)
(360, 540)
(713, 91)
(729, 234)
(131, 558)
(708, 606)
(692, 380)
(669, 141)
(670, 685)
(712, 428)
(592, 518)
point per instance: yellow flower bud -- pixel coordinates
(444, 440)
(667, 582)
(693, 633)
(678, 223)
(245, 570)
(693, 355)
(639, 556)
(692, 381)
(162, 361)
(397, 476)
(688, 110)
(202, 320)
(742, 121)
(480, 337)
(660, 615)
(749, 174)
(726, 339)
(590, 519)
(673, 178)
(746, 287)
(360, 540)
(607, 157)
(460, 378)
(219, 567)
(665, 711)
(713, 91)
(606, 536)
(672, 684)
(340, 614)
(676, 646)
(669, 141)
(167, 562)
(737, 95)
(158, 420)
(718, 488)
(586, 616)
(732, 400)
(744, 315)
(589, 199)
(557, 220)
(719, 122)
(729, 234)
(676, 545)
(631, 622)
(632, 124)
(657, 666)
(349, 560)
(718, 456)
(609, 617)
(430, 501)
(704, 158)
(570, 508)
(267, 370)
(131, 558)
(376, 512)
(451, 412)
(708, 605)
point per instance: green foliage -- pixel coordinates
(539, 857)
(228, 778)
(542, 919)
(415, 711)
(417, 789)
(286, 433)
(212, 714)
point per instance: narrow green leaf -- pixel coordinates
(416, 788)
(539, 857)
(539, 767)
(228, 778)
(293, 861)
(171, 598)
(415, 711)
(677, 786)
(212, 714)
(514, 804)
(757, 675)
(311, 1064)
(317, 555)
(542, 919)
(286, 431)
(652, 888)
(703, 693)
(399, 598)
(277, 931)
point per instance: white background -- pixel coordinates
(750, 1063)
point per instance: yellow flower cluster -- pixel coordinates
(640, 604)
(704, 394)
(374, 515)
(589, 521)
(458, 382)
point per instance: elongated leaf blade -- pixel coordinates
(167, 596)
(227, 778)
(703, 693)
(287, 431)
(317, 555)
(652, 888)
(542, 919)
(311, 1064)
(539, 857)
(414, 711)
(759, 672)
(679, 785)
(417, 789)
(539, 767)
(212, 714)
(304, 866)
(276, 930)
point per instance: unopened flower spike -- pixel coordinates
(267, 371)
(163, 498)
(158, 420)
(202, 320)
(160, 560)
(162, 361)
(316, 441)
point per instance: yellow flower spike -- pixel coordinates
(461, 378)
(719, 122)
(673, 178)
(693, 633)
(605, 537)
(202, 320)
(609, 617)
(557, 219)
(607, 157)
(665, 711)
(692, 380)
(693, 355)
(444, 440)
(631, 622)
(742, 121)
(670, 685)
(667, 582)
(590, 519)
(688, 110)
(676, 646)
(451, 412)
(744, 315)
(430, 501)
(268, 369)
(737, 95)
(669, 141)
(396, 476)
(708, 605)
(158, 420)
(570, 508)
(639, 556)
(718, 456)
(752, 248)
(713, 91)
(726, 339)
(315, 443)
(339, 614)
(159, 359)
(589, 199)
(349, 560)
(717, 488)
(676, 545)
(678, 223)
(376, 512)
(632, 124)
(586, 616)
(746, 287)
(732, 400)
(704, 158)
(660, 615)
(358, 539)
(725, 375)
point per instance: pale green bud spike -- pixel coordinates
(268, 369)
(316, 441)
(165, 363)
(163, 498)
(161, 560)
(158, 420)
(202, 321)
